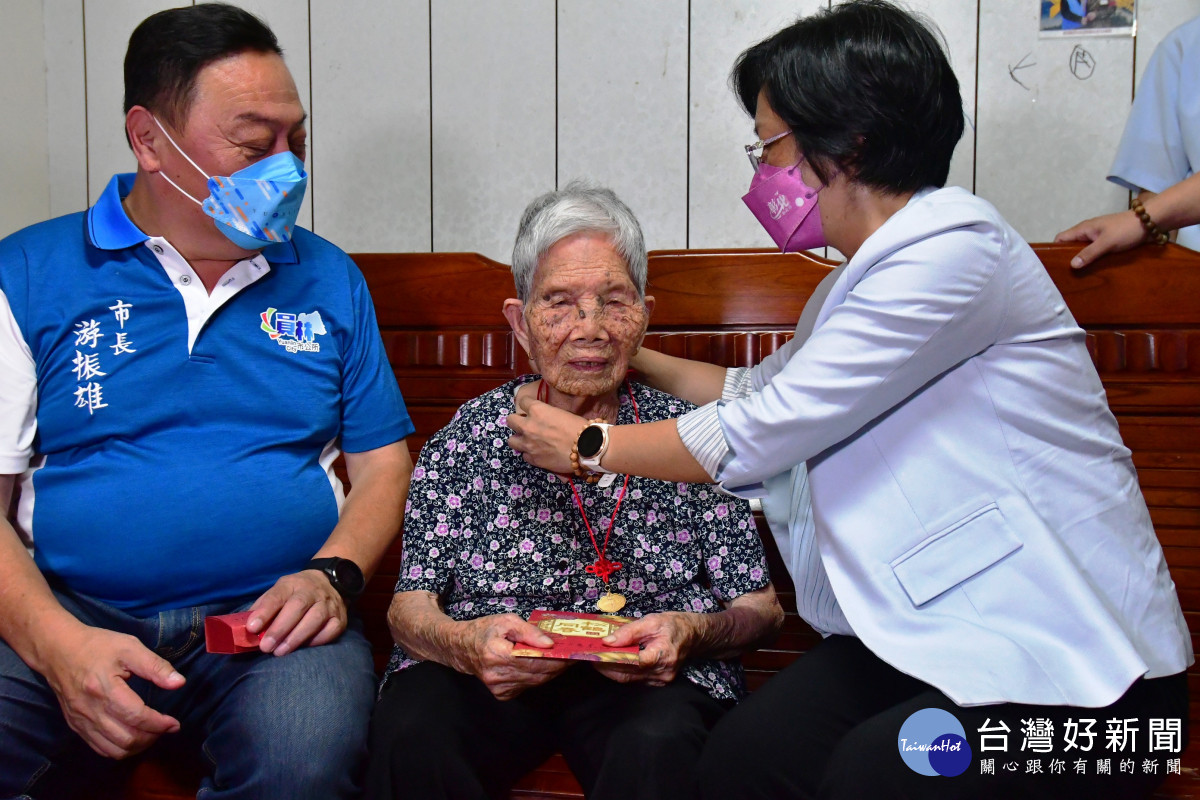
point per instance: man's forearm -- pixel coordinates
(374, 508)
(30, 614)
(751, 620)
(1177, 206)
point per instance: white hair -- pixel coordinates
(579, 207)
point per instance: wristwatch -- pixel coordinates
(343, 573)
(592, 444)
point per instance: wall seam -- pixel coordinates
(1133, 64)
(556, 51)
(975, 104)
(429, 19)
(1132, 94)
(687, 167)
(87, 145)
(312, 151)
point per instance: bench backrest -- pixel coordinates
(440, 319)
(441, 323)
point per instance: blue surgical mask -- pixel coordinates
(255, 206)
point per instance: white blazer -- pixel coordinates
(977, 515)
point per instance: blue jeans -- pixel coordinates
(288, 727)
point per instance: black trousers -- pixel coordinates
(828, 727)
(437, 733)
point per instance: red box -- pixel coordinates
(227, 634)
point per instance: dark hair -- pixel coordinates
(864, 87)
(168, 49)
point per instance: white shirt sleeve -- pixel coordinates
(701, 431)
(18, 395)
(915, 314)
(1156, 149)
(738, 382)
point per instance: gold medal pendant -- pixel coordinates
(610, 602)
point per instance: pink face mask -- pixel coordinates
(786, 206)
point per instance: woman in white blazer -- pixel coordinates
(976, 540)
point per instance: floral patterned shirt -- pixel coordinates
(491, 534)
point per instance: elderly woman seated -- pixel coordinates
(489, 539)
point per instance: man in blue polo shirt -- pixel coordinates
(179, 368)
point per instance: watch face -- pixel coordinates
(590, 441)
(348, 576)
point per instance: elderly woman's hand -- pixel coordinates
(1111, 233)
(486, 652)
(543, 434)
(665, 640)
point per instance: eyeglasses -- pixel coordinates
(755, 151)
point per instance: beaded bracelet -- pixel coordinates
(587, 475)
(1153, 232)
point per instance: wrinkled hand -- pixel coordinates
(1111, 233)
(300, 609)
(90, 675)
(665, 640)
(487, 645)
(544, 435)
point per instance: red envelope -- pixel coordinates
(227, 634)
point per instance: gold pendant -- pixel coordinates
(611, 602)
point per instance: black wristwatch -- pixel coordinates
(343, 573)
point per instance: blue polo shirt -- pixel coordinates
(184, 441)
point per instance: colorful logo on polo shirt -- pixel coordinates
(932, 742)
(294, 331)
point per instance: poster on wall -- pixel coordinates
(1087, 18)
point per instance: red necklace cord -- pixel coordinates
(602, 567)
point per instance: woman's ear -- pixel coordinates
(514, 312)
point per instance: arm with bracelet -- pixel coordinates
(1149, 220)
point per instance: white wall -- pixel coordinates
(24, 190)
(433, 122)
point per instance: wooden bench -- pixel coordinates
(440, 319)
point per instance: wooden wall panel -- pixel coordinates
(107, 26)
(66, 107)
(718, 172)
(622, 106)
(371, 157)
(958, 23)
(443, 119)
(23, 158)
(493, 67)
(1046, 137)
